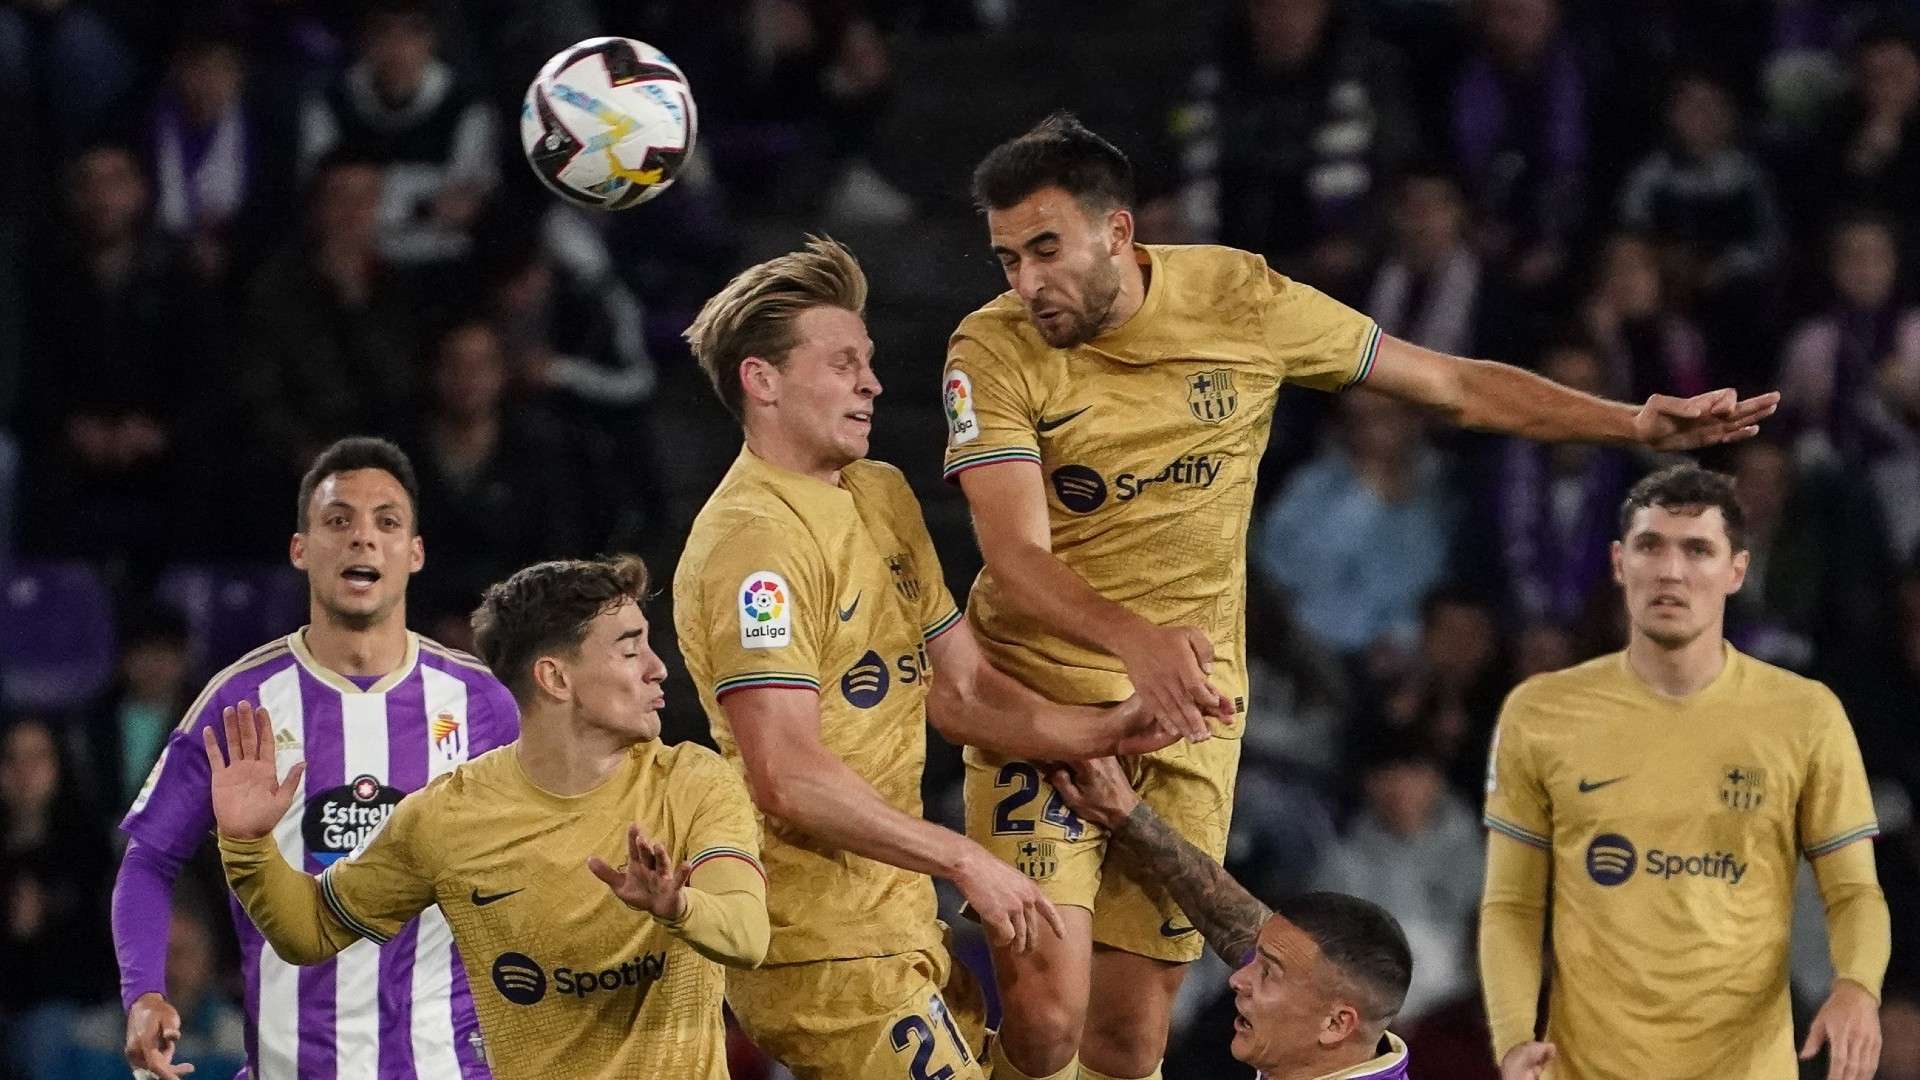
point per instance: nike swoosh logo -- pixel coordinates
(1048, 423)
(482, 901)
(1595, 785)
(848, 614)
(1168, 930)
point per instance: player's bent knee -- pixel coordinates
(1122, 1045)
(1040, 1038)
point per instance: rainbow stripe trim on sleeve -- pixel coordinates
(1366, 359)
(766, 680)
(1828, 847)
(1525, 836)
(742, 854)
(340, 911)
(941, 627)
(961, 463)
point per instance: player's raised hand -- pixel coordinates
(1849, 1026)
(1168, 666)
(153, 1032)
(1097, 790)
(1011, 907)
(248, 798)
(650, 881)
(1720, 416)
(1528, 1061)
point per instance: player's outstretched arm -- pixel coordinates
(1167, 664)
(248, 801)
(1488, 396)
(792, 776)
(973, 703)
(1225, 913)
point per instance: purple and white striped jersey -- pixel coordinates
(374, 1012)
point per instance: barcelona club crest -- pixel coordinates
(1742, 788)
(900, 565)
(1211, 396)
(1037, 859)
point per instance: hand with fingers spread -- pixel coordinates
(1169, 666)
(1097, 790)
(1011, 907)
(649, 881)
(1710, 419)
(1528, 1061)
(153, 1034)
(1848, 1025)
(248, 800)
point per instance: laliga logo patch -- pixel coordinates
(961, 425)
(766, 613)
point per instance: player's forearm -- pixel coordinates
(726, 916)
(1859, 927)
(1513, 920)
(831, 803)
(1512, 401)
(1042, 588)
(142, 901)
(283, 903)
(1225, 913)
(990, 710)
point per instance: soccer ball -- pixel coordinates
(608, 123)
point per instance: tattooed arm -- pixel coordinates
(1226, 914)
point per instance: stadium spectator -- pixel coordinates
(402, 107)
(1382, 488)
(1873, 156)
(1646, 343)
(46, 114)
(1432, 288)
(128, 726)
(1447, 694)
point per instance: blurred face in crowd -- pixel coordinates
(1403, 795)
(1764, 475)
(1287, 33)
(1378, 428)
(346, 205)
(1574, 367)
(1290, 1002)
(471, 376)
(359, 547)
(1701, 116)
(1865, 265)
(398, 49)
(190, 959)
(1430, 217)
(1063, 261)
(615, 677)
(1459, 640)
(155, 668)
(1677, 568)
(1517, 31)
(1630, 277)
(1889, 77)
(823, 391)
(29, 767)
(108, 193)
(208, 78)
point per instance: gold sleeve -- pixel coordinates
(1859, 929)
(1513, 922)
(283, 902)
(726, 918)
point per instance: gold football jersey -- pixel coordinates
(1675, 829)
(567, 980)
(787, 581)
(1148, 439)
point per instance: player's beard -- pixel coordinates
(1101, 288)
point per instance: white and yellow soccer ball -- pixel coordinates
(608, 123)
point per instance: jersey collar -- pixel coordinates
(792, 486)
(297, 641)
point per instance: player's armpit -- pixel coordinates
(726, 917)
(1859, 926)
(283, 902)
(1513, 921)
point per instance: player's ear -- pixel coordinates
(1341, 1022)
(417, 553)
(757, 380)
(1741, 560)
(550, 675)
(297, 551)
(1615, 553)
(1119, 230)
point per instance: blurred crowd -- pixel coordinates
(231, 232)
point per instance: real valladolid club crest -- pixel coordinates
(1211, 396)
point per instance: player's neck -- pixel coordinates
(352, 650)
(1135, 278)
(791, 456)
(1678, 671)
(559, 756)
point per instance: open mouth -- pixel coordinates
(1666, 601)
(1240, 1022)
(864, 416)
(360, 577)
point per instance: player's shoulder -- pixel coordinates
(1202, 267)
(242, 678)
(1785, 693)
(1000, 327)
(467, 666)
(690, 763)
(883, 477)
(478, 778)
(764, 526)
(1539, 694)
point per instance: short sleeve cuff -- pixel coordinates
(960, 463)
(946, 623)
(1368, 351)
(1828, 847)
(1525, 836)
(766, 680)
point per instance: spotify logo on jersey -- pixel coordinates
(1079, 488)
(518, 978)
(1611, 859)
(865, 684)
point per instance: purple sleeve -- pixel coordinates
(142, 913)
(503, 718)
(174, 811)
